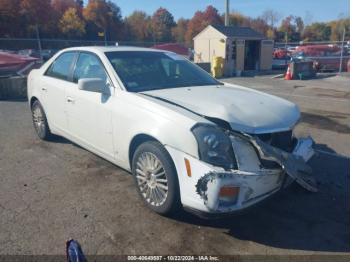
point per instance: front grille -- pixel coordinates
(281, 140)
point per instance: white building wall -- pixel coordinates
(207, 44)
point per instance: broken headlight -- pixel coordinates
(214, 146)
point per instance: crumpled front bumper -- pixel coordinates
(200, 190)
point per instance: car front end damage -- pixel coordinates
(261, 169)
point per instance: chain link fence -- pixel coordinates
(326, 55)
(42, 50)
(21, 44)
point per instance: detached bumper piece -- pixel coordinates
(294, 164)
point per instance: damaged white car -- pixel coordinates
(189, 140)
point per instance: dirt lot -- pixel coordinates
(52, 191)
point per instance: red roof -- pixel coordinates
(172, 47)
(8, 60)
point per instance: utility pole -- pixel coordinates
(341, 53)
(38, 40)
(227, 22)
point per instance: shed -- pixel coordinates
(243, 48)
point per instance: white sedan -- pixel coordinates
(189, 140)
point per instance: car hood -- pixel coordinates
(245, 109)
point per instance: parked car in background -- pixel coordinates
(280, 63)
(29, 52)
(189, 140)
(291, 49)
(325, 57)
(280, 53)
(280, 59)
(48, 53)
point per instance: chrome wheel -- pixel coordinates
(151, 179)
(39, 120)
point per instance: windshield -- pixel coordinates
(148, 70)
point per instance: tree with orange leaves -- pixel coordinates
(106, 16)
(138, 25)
(162, 23)
(201, 20)
(61, 6)
(71, 24)
(36, 11)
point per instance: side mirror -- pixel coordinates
(92, 85)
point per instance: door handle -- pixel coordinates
(70, 100)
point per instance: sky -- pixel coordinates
(312, 10)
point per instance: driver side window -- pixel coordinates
(89, 66)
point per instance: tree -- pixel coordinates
(36, 11)
(162, 23)
(299, 24)
(79, 5)
(115, 21)
(71, 24)
(259, 25)
(37, 15)
(337, 28)
(211, 16)
(317, 32)
(237, 19)
(103, 16)
(61, 6)
(138, 25)
(289, 29)
(179, 31)
(9, 14)
(271, 17)
(201, 20)
(9, 7)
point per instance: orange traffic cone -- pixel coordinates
(288, 75)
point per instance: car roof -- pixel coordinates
(103, 49)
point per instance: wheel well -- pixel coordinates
(136, 141)
(32, 100)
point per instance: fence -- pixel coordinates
(295, 44)
(325, 59)
(326, 55)
(16, 44)
(45, 49)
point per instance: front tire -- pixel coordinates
(40, 121)
(156, 178)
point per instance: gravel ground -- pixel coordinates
(52, 191)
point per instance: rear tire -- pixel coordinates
(40, 121)
(156, 178)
